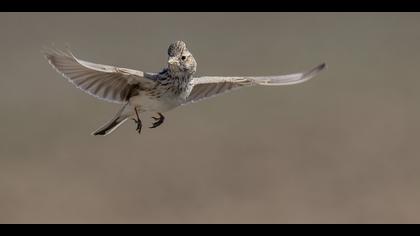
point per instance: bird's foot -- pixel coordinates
(139, 125)
(159, 120)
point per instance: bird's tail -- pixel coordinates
(122, 115)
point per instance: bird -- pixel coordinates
(175, 85)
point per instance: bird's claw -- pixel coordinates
(159, 120)
(139, 125)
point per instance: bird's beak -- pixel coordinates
(172, 61)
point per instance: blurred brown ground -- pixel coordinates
(342, 148)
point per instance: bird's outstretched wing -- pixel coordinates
(108, 83)
(209, 86)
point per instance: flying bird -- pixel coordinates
(140, 91)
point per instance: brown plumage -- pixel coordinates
(140, 91)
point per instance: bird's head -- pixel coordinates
(180, 59)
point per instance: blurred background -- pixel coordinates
(341, 148)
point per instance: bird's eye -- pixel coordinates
(183, 58)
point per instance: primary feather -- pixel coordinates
(210, 86)
(105, 82)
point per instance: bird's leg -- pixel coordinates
(138, 121)
(159, 120)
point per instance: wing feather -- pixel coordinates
(105, 82)
(210, 86)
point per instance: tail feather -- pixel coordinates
(113, 124)
(110, 126)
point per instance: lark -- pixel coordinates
(140, 92)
